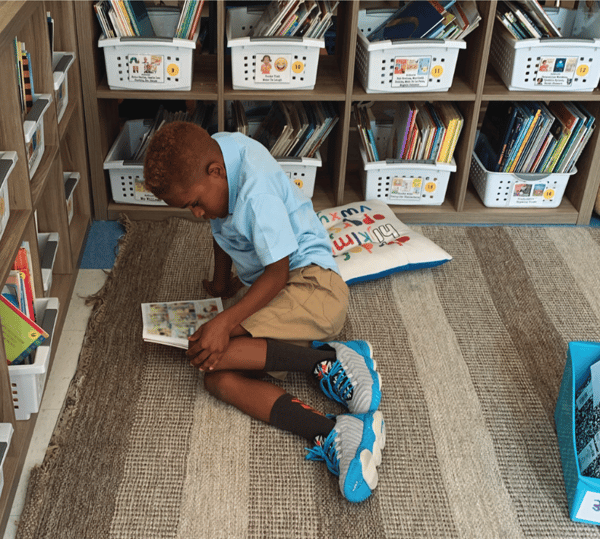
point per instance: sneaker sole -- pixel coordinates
(366, 464)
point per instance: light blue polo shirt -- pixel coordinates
(269, 217)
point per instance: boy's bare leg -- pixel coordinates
(253, 397)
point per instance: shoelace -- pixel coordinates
(326, 452)
(336, 384)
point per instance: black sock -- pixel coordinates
(291, 414)
(282, 356)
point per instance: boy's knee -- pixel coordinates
(218, 383)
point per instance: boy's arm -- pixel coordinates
(211, 340)
(222, 285)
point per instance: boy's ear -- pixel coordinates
(216, 168)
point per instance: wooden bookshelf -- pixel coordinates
(37, 201)
(475, 83)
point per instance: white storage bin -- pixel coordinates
(156, 63)
(33, 129)
(71, 179)
(126, 176)
(405, 65)
(294, 59)
(6, 432)
(516, 190)
(47, 246)
(566, 64)
(27, 381)
(7, 163)
(397, 181)
(61, 62)
(301, 170)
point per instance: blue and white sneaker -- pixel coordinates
(351, 379)
(352, 451)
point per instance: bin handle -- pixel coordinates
(408, 40)
(131, 162)
(277, 38)
(530, 176)
(146, 39)
(560, 40)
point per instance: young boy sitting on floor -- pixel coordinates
(263, 224)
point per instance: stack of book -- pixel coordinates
(420, 131)
(22, 335)
(429, 19)
(302, 18)
(24, 75)
(532, 137)
(202, 115)
(123, 18)
(526, 19)
(295, 129)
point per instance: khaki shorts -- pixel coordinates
(312, 306)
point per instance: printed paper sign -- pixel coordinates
(532, 193)
(403, 189)
(590, 508)
(276, 68)
(556, 71)
(412, 71)
(146, 68)
(140, 193)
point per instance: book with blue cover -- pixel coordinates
(411, 21)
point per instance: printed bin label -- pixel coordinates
(139, 192)
(590, 508)
(411, 71)
(403, 189)
(276, 68)
(556, 71)
(533, 193)
(146, 68)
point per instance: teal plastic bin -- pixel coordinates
(583, 493)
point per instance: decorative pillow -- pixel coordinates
(369, 242)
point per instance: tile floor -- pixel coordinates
(65, 363)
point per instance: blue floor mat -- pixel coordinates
(101, 245)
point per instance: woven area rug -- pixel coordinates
(471, 355)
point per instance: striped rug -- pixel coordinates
(471, 355)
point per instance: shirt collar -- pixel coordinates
(233, 161)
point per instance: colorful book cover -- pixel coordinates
(21, 335)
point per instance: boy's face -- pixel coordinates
(207, 196)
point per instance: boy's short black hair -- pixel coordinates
(174, 156)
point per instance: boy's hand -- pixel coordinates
(208, 344)
(228, 291)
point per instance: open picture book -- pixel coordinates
(172, 322)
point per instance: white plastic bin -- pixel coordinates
(33, 129)
(48, 246)
(294, 60)
(566, 64)
(6, 432)
(516, 190)
(27, 381)
(126, 176)
(7, 163)
(405, 65)
(71, 180)
(150, 63)
(61, 62)
(397, 181)
(301, 170)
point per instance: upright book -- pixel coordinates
(21, 334)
